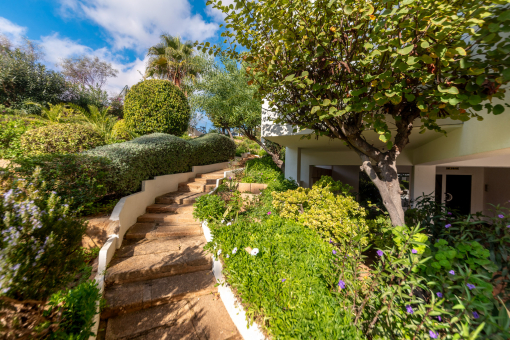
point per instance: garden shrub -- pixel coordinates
(78, 308)
(209, 208)
(287, 284)
(120, 131)
(334, 186)
(244, 145)
(211, 148)
(336, 217)
(156, 105)
(79, 179)
(60, 138)
(143, 158)
(11, 129)
(40, 246)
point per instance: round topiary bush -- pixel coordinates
(156, 105)
(60, 138)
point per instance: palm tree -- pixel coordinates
(174, 60)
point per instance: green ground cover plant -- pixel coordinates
(404, 283)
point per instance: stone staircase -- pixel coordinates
(159, 284)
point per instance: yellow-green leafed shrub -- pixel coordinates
(120, 131)
(334, 186)
(60, 138)
(338, 217)
(156, 105)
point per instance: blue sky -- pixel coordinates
(118, 31)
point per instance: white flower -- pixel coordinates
(228, 256)
(229, 223)
(234, 250)
(254, 252)
(219, 252)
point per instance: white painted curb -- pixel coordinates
(235, 310)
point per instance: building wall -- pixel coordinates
(498, 187)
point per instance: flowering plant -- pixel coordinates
(40, 243)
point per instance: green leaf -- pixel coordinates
(489, 37)
(427, 59)
(405, 50)
(304, 74)
(412, 60)
(504, 16)
(289, 77)
(460, 51)
(348, 9)
(315, 109)
(498, 109)
(326, 102)
(459, 306)
(506, 74)
(450, 90)
(424, 44)
(369, 10)
(410, 97)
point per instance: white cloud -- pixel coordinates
(14, 32)
(216, 14)
(138, 24)
(57, 48)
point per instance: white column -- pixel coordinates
(423, 180)
(291, 163)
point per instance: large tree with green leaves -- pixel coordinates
(174, 60)
(224, 94)
(343, 67)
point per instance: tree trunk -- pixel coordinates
(388, 185)
(230, 134)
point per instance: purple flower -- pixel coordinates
(448, 226)
(451, 272)
(501, 216)
(330, 241)
(409, 309)
(283, 280)
(508, 226)
(471, 286)
(439, 294)
(414, 251)
(433, 334)
(334, 252)
(449, 213)
(439, 318)
(475, 315)
(269, 213)
(341, 284)
(380, 253)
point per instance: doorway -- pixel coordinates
(458, 193)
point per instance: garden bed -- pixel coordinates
(313, 277)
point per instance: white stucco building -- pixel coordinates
(468, 168)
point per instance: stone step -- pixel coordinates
(166, 217)
(170, 208)
(191, 187)
(178, 197)
(193, 319)
(152, 231)
(152, 259)
(204, 180)
(212, 175)
(130, 297)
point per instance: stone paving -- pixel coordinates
(160, 284)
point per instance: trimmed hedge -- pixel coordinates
(207, 149)
(159, 154)
(60, 138)
(156, 105)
